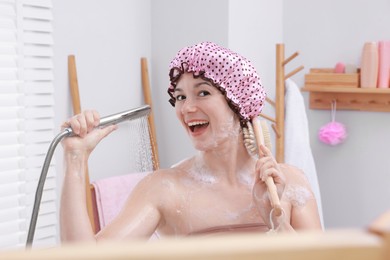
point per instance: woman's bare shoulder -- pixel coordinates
(157, 176)
(165, 177)
(183, 164)
(293, 174)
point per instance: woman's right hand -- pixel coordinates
(267, 167)
(85, 134)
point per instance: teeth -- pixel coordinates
(194, 123)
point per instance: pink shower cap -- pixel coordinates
(230, 72)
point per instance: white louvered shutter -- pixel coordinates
(26, 120)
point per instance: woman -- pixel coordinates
(216, 93)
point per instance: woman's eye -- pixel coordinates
(180, 97)
(204, 93)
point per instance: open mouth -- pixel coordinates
(197, 125)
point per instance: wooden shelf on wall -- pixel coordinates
(363, 99)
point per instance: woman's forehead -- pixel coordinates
(188, 80)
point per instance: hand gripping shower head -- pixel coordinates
(119, 117)
(104, 121)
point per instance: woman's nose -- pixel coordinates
(188, 106)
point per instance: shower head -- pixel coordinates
(113, 119)
(125, 115)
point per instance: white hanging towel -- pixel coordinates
(297, 143)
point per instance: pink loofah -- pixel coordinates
(332, 133)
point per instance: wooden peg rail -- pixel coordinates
(278, 104)
(362, 99)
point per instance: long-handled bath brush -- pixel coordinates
(263, 137)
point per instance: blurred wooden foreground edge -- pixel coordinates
(334, 244)
(371, 244)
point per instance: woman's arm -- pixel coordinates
(74, 220)
(306, 217)
(304, 209)
(140, 215)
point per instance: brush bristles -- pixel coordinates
(250, 139)
(266, 134)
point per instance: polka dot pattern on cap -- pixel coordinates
(233, 74)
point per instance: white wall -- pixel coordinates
(108, 39)
(355, 176)
(254, 36)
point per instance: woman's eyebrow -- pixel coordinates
(201, 83)
(195, 86)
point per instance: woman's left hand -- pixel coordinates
(266, 167)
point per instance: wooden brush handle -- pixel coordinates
(273, 193)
